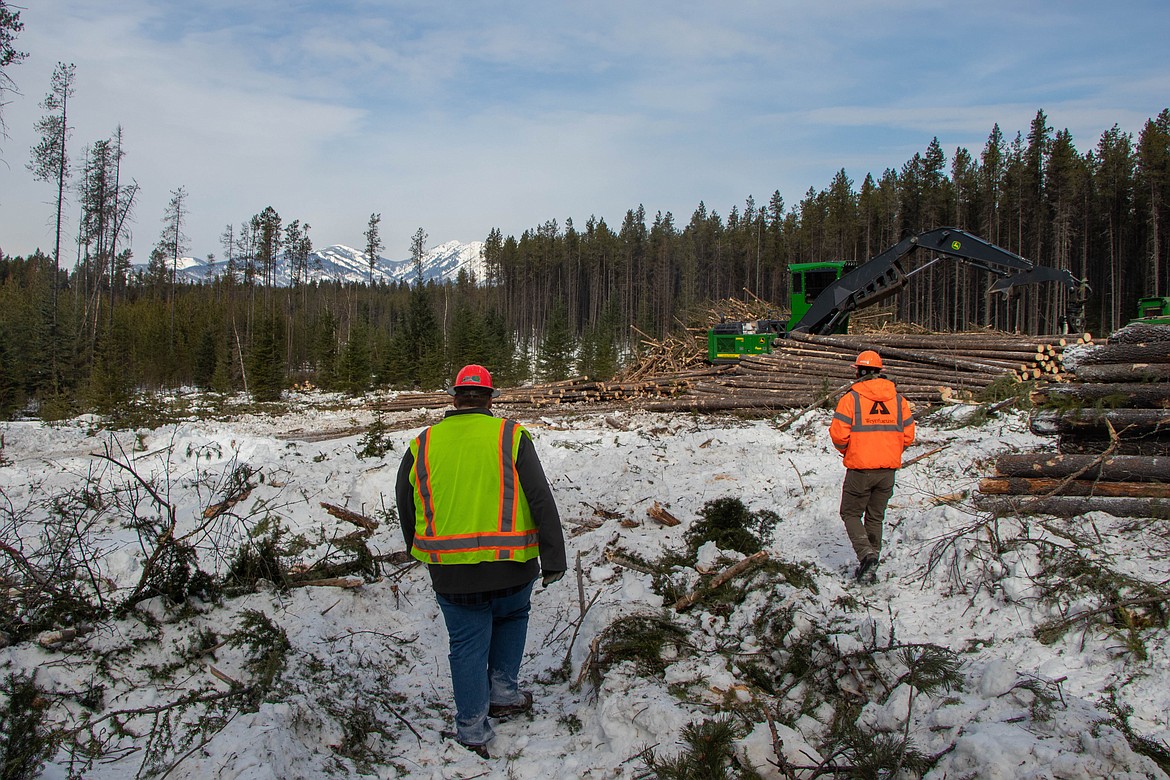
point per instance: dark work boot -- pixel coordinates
(508, 710)
(479, 750)
(867, 570)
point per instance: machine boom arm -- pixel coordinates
(882, 276)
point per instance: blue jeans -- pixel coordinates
(487, 645)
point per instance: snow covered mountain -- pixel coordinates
(341, 263)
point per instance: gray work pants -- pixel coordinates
(866, 493)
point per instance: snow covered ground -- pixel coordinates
(365, 688)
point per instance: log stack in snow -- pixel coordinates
(928, 368)
(1113, 429)
(802, 370)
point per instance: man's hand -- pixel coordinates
(550, 577)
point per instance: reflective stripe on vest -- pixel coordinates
(514, 536)
(899, 424)
(423, 480)
(507, 510)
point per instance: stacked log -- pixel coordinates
(1071, 485)
(673, 376)
(580, 390)
(1027, 357)
(1120, 399)
(586, 390)
(929, 369)
(1113, 429)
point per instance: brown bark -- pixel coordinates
(1073, 506)
(350, 516)
(1146, 446)
(1128, 394)
(734, 570)
(1127, 422)
(659, 513)
(1127, 353)
(1125, 372)
(1121, 468)
(916, 355)
(1141, 333)
(330, 582)
(1040, 486)
(215, 510)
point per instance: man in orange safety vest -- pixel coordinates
(872, 425)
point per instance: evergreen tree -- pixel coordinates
(598, 353)
(499, 349)
(10, 26)
(11, 393)
(224, 378)
(110, 386)
(911, 189)
(1114, 186)
(206, 359)
(841, 219)
(353, 366)
(373, 243)
(418, 246)
(936, 196)
(325, 350)
(557, 347)
(468, 341)
(991, 163)
(297, 248)
(50, 159)
(1152, 193)
(1034, 184)
(172, 243)
(266, 369)
(399, 365)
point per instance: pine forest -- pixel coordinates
(84, 328)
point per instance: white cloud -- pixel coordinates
(463, 117)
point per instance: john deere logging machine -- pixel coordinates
(1153, 311)
(824, 294)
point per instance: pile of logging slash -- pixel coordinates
(1113, 429)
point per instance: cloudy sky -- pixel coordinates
(465, 115)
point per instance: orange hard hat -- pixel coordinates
(473, 377)
(868, 359)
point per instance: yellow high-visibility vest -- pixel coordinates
(469, 505)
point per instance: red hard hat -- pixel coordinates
(473, 377)
(868, 359)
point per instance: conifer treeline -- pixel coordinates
(1102, 215)
(560, 300)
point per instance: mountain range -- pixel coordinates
(340, 263)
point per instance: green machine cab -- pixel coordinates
(1154, 310)
(728, 341)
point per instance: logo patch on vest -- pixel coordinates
(879, 408)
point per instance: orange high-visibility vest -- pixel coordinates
(873, 423)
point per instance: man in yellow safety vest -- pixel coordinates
(475, 506)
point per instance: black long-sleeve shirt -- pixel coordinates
(491, 576)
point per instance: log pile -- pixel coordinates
(1113, 429)
(581, 390)
(1120, 399)
(929, 369)
(1023, 357)
(673, 374)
